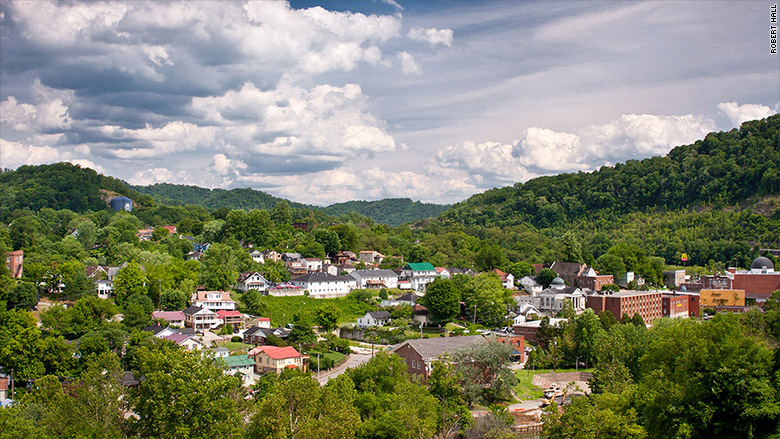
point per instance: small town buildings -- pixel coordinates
(712, 298)
(105, 288)
(694, 302)
(674, 306)
(507, 279)
(257, 256)
(295, 268)
(419, 354)
(407, 299)
(276, 359)
(324, 285)
(15, 262)
(171, 318)
(241, 364)
(186, 341)
(674, 278)
(284, 290)
(646, 303)
(258, 335)
(443, 273)
(200, 319)
(213, 300)
(159, 331)
(569, 271)
(517, 342)
(312, 265)
(264, 322)
(419, 274)
(420, 314)
(290, 256)
(271, 255)
(759, 282)
(375, 279)
(592, 280)
(525, 310)
(530, 329)
(374, 318)
(146, 234)
(232, 317)
(553, 299)
(371, 257)
(251, 280)
(220, 352)
(530, 284)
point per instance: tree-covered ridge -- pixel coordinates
(180, 195)
(58, 186)
(722, 169)
(390, 211)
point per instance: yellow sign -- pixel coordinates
(684, 257)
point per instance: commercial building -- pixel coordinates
(647, 304)
(674, 306)
(712, 298)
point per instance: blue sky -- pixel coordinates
(322, 102)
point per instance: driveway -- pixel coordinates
(353, 360)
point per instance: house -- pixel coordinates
(295, 268)
(419, 274)
(146, 234)
(200, 319)
(569, 271)
(375, 279)
(257, 256)
(524, 311)
(373, 318)
(646, 303)
(407, 299)
(465, 271)
(232, 317)
(674, 278)
(420, 314)
(312, 264)
(4, 385)
(419, 354)
(629, 277)
(517, 342)
(324, 285)
(241, 364)
(283, 290)
(270, 255)
(171, 318)
(160, 331)
(290, 256)
(105, 288)
(264, 322)
(507, 279)
(344, 257)
(276, 359)
(188, 342)
(443, 273)
(220, 352)
(529, 329)
(257, 335)
(194, 256)
(592, 280)
(15, 262)
(213, 300)
(371, 257)
(251, 280)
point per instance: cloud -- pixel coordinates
(743, 113)
(431, 35)
(394, 4)
(408, 66)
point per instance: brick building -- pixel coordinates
(647, 303)
(419, 354)
(759, 282)
(591, 279)
(674, 306)
(15, 262)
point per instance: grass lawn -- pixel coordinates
(335, 356)
(235, 346)
(525, 390)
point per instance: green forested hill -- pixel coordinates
(391, 211)
(722, 169)
(180, 195)
(58, 186)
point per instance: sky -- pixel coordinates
(325, 102)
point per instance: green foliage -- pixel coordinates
(131, 280)
(593, 417)
(488, 295)
(327, 317)
(391, 211)
(23, 296)
(442, 300)
(546, 276)
(219, 268)
(484, 367)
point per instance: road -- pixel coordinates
(358, 357)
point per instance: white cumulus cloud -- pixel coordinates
(743, 113)
(408, 65)
(431, 35)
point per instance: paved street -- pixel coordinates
(354, 360)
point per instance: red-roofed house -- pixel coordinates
(264, 322)
(233, 317)
(276, 359)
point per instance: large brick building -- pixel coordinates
(674, 306)
(759, 282)
(646, 303)
(419, 354)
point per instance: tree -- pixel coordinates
(611, 264)
(488, 295)
(572, 248)
(485, 369)
(252, 303)
(546, 276)
(129, 281)
(593, 417)
(23, 296)
(302, 333)
(607, 320)
(327, 317)
(442, 300)
(174, 300)
(218, 270)
(166, 404)
(637, 320)
(329, 240)
(587, 328)
(490, 256)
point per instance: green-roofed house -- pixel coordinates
(419, 274)
(242, 364)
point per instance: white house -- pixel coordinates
(199, 318)
(312, 264)
(104, 288)
(373, 318)
(213, 300)
(188, 342)
(251, 280)
(407, 299)
(507, 279)
(375, 278)
(371, 257)
(257, 256)
(530, 285)
(172, 318)
(443, 273)
(419, 274)
(324, 285)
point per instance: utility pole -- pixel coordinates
(475, 313)
(159, 294)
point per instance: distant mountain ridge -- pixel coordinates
(390, 211)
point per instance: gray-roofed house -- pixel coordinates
(375, 278)
(407, 299)
(324, 285)
(419, 354)
(374, 318)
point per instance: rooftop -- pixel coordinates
(436, 347)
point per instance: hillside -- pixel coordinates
(59, 186)
(723, 169)
(181, 195)
(391, 211)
